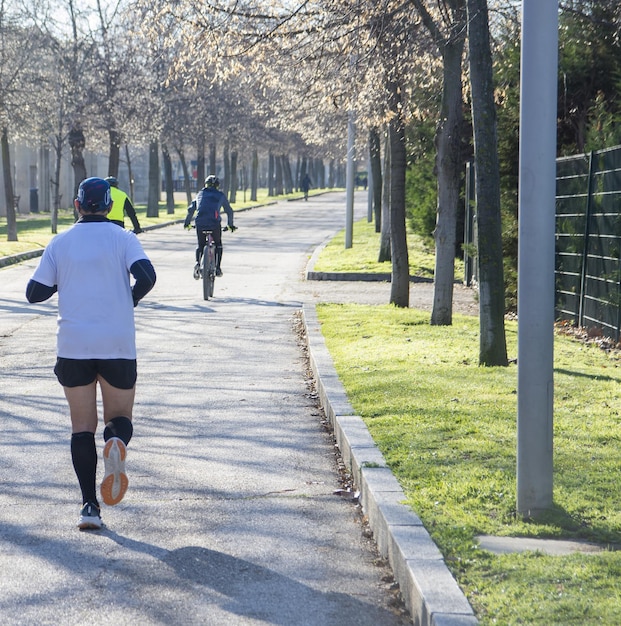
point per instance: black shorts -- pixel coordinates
(120, 373)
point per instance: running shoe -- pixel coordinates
(197, 271)
(114, 483)
(218, 272)
(90, 517)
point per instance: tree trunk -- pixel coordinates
(9, 199)
(153, 199)
(213, 168)
(200, 162)
(254, 176)
(288, 174)
(449, 167)
(331, 175)
(234, 178)
(77, 142)
(270, 175)
(384, 251)
(114, 158)
(130, 172)
(297, 179)
(400, 276)
(226, 183)
(187, 182)
(375, 158)
(168, 180)
(58, 152)
(320, 173)
(243, 182)
(492, 340)
(278, 188)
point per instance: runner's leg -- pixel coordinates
(118, 406)
(83, 410)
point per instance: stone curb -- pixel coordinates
(351, 276)
(31, 254)
(5, 261)
(429, 590)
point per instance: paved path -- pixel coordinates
(230, 517)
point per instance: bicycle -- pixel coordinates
(207, 267)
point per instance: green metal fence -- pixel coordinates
(588, 240)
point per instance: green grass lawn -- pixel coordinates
(362, 256)
(447, 428)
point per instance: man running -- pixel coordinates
(89, 265)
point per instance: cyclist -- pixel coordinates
(208, 205)
(121, 206)
(89, 265)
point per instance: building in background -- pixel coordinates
(33, 173)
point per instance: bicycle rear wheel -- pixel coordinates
(209, 272)
(212, 270)
(205, 274)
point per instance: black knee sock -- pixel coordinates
(120, 427)
(84, 457)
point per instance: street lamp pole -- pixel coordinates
(349, 180)
(537, 196)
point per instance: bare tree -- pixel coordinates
(448, 31)
(400, 276)
(375, 159)
(493, 348)
(384, 248)
(17, 50)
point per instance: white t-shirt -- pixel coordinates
(90, 264)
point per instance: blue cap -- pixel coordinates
(94, 195)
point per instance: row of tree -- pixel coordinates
(281, 76)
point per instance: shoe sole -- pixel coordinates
(115, 482)
(90, 523)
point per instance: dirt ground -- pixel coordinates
(421, 294)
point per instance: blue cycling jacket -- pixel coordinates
(208, 205)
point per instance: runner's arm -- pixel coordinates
(38, 292)
(144, 273)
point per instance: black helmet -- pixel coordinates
(94, 195)
(212, 181)
(112, 181)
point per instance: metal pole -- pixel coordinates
(585, 242)
(369, 190)
(349, 182)
(537, 191)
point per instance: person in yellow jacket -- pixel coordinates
(121, 206)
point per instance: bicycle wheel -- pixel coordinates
(205, 274)
(211, 272)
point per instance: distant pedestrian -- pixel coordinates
(121, 206)
(305, 185)
(89, 265)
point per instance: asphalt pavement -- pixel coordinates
(232, 514)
